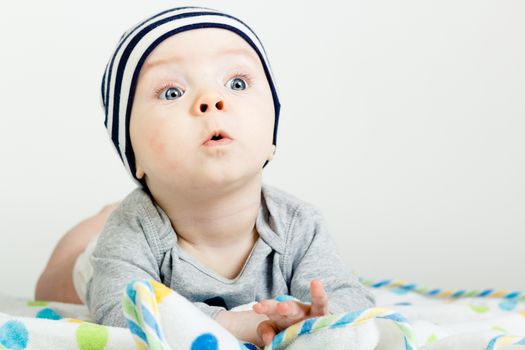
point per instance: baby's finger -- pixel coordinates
(319, 299)
(268, 307)
(292, 309)
(267, 330)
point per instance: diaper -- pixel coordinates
(83, 271)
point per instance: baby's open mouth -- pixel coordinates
(217, 138)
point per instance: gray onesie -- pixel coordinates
(294, 247)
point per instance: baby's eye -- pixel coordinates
(171, 93)
(236, 84)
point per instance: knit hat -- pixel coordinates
(122, 71)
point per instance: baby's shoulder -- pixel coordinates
(138, 223)
(126, 216)
(130, 213)
(135, 201)
(287, 207)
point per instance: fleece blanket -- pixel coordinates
(407, 317)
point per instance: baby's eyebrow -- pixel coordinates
(238, 51)
(226, 52)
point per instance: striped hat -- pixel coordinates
(122, 71)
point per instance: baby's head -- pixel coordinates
(180, 78)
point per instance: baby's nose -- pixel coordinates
(219, 105)
(208, 102)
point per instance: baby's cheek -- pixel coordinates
(158, 137)
(162, 147)
(156, 144)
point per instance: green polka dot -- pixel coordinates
(499, 329)
(91, 336)
(479, 308)
(37, 303)
(431, 339)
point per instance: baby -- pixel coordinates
(192, 110)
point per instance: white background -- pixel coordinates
(403, 121)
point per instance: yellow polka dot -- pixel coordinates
(74, 320)
(522, 313)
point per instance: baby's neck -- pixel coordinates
(216, 223)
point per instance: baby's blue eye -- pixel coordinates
(237, 84)
(171, 93)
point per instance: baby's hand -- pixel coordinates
(284, 314)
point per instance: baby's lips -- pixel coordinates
(221, 142)
(218, 132)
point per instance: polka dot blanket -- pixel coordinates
(408, 317)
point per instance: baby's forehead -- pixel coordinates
(192, 45)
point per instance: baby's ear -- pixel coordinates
(139, 173)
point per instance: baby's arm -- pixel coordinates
(315, 266)
(242, 324)
(122, 255)
(315, 257)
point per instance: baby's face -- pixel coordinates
(192, 84)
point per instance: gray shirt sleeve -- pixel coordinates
(122, 254)
(315, 256)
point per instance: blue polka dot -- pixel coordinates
(508, 305)
(205, 341)
(250, 346)
(13, 335)
(49, 314)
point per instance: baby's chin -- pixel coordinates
(221, 175)
(212, 175)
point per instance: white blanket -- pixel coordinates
(407, 318)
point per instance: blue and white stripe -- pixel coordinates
(122, 71)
